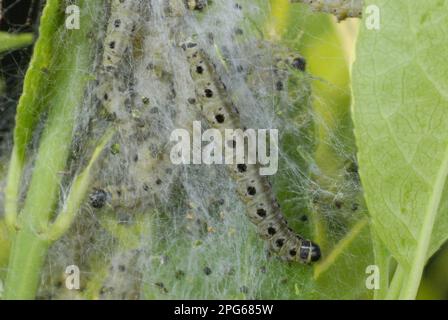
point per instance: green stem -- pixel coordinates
(382, 260)
(14, 41)
(69, 81)
(412, 282)
(26, 260)
(12, 190)
(396, 284)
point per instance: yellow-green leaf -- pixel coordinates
(400, 87)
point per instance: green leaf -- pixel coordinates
(14, 41)
(342, 274)
(400, 88)
(32, 103)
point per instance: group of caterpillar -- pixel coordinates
(141, 122)
(262, 207)
(255, 190)
(342, 9)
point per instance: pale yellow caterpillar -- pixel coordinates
(120, 29)
(117, 44)
(342, 9)
(255, 190)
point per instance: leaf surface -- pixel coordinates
(400, 89)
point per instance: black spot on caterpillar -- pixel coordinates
(207, 271)
(255, 190)
(342, 9)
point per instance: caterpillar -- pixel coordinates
(113, 77)
(120, 28)
(255, 190)
(342, 9)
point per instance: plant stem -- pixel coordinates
(421, 254)
(12, 190)
(30, 244)
(396, 284)
(14, 41)
(382, 260)
(26, 260)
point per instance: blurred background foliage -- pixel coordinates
(328, 48)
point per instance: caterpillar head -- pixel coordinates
(309, 252)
